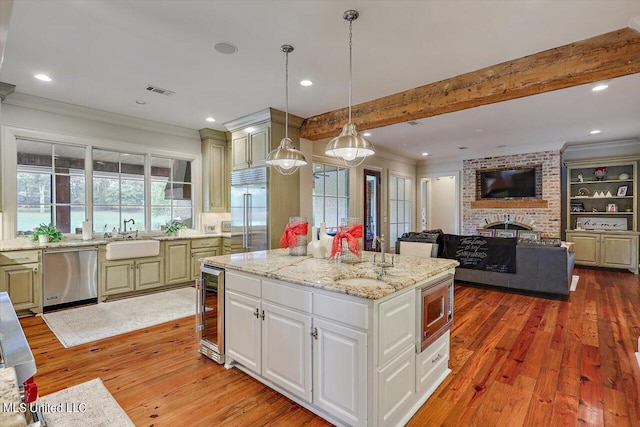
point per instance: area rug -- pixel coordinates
(94, 322)
(574, 282)
(84, 405)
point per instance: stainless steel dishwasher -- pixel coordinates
(70, 275)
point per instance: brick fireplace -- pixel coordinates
(542, 214)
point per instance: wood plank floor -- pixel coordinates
(516, 360)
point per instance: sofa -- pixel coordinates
(539, 268)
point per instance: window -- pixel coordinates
(50, 185)
(400, 196)
(170, 192)
(330, 195)
(118, 190)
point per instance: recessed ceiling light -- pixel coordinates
(140, 102)
(595, 132)
(306, 82)
(43, 77)
(210, 119)
(462, 148)
(480, 130)
(425, 154)
(226, 48)
(599, 87)
(366, 134)
(501, 145)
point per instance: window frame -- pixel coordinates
(347, 199)
(407, 199)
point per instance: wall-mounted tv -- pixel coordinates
(508, 183)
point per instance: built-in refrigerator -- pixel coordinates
(250, 210)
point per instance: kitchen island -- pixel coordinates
(340, 339)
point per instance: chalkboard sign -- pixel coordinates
(496, 254)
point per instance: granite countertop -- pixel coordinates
(10, 395)
(25, 243)
(326, 274)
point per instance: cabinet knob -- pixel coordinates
(257, 313)
(314, 333)
(35, 269)
(262, 315)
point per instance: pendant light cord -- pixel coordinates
(350, 67)
(286, 95)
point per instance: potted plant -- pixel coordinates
(174, 226)
(47, 233)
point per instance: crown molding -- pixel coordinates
(6, 89)
(266, 115)
(597, 149)
(216, 135)
(19, 99)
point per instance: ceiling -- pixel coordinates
(103, 54)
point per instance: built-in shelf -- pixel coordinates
(600, 198)
(601, 213)
(604, 181)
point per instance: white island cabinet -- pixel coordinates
(349, 354)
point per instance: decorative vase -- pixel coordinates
(43, 238)
(326, 241)
(351, 246)
(299, 226)
(315, 248)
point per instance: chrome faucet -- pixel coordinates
(379, 240)
(382, 263)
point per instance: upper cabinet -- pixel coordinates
(250, 147)
(601, 194)
(215, 171)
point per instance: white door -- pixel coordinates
(286, 349)
(242, 332)
(440, 203)
(340, 371)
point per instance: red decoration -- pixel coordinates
(352, 235)
(290, 236)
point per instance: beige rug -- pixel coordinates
(85, 405)
(81, 325)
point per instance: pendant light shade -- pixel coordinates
(350, 147)
(286, 159)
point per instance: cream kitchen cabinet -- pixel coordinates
(122, 276)
(250, 147)
(202, 248)
(178, 266)
(215, 171)
(605, 249)
(20, 277)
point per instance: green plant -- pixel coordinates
(52, 233)
(173, 226)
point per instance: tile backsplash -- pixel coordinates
(210, 219)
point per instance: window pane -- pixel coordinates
(331, 212)
(343, 208)
(132, 192)
(132, 165)
(400, 193)
(181, 192)
(181, 171)
(68, 158)
(318, 210)
(393, 211)
(34, 153)
(77, 190)
(105, 161)
(159, 217)
(106, 217)
(343, 182)
(393, 235)
(160, 167)
(106, 191)
(158, 196)
(77, 216)
(407, 212)
(318, 180)
(331, 182)
(393, 188)
(407, 189)
(135, 213)
(34, 188)
(30, 217)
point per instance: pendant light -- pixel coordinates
(286, 159)
(350, 147)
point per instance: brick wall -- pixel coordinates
(546, 220)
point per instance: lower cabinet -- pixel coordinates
(396, 382)
(243, 333)
(23, 283)
(178, 262)
(202, 248)
(129, 275)
(602, 249)
(340, 371)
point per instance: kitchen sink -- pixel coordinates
(360, 281)
(127, 249)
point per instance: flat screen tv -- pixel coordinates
(508, 183)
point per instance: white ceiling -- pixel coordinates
(102, 54)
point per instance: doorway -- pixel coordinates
(372, 180)
(439, 203)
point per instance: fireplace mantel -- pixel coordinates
(509, 204)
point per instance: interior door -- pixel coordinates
(372, 180)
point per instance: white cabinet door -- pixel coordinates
(618, 251)
(242, 333)
(396, 326)
(340, 371)
(396, 388)
(286, 349)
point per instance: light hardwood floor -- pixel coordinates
(516, 360)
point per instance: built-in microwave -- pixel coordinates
(435, 305)
(210, 312)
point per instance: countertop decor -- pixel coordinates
(328, 274)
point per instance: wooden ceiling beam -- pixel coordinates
(603, 57)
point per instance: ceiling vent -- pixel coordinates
(159, 90)
(414, 123)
